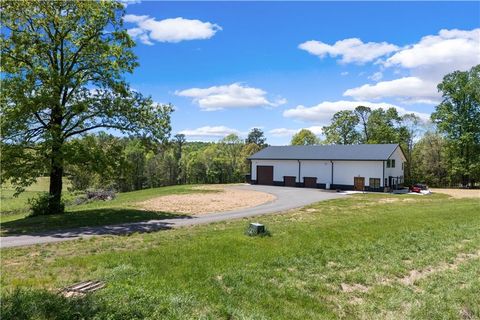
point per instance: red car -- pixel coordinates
(418, 187)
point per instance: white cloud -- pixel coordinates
(209, 132)
(425, 63)
(284, 132)
(448, 51)
(126, 3)
(344, 73)
(179, 29)
(230, 96)
(350, 50)
(376, 76)
(409, 89)
(323, 112)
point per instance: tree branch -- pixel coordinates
(94, 127)
(40, 119)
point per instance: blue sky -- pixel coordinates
(283, 66)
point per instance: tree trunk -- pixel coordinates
(56, 162)
(56, 183)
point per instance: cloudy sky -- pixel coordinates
(283, 66)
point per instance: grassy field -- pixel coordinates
(11, 205)
(361, 257)
(14, 218)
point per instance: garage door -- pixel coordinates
(265, 175)
(310, 182)
(289, 181)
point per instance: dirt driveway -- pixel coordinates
(459, 193)
(220, 199)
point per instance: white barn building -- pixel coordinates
(371, 167)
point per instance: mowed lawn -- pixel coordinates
(124, 208)
(360, 257)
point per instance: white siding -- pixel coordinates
(319, 169)
(397, 171)
(344, 171)
(280, 168)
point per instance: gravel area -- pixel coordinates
(459, 193)
(225, 198)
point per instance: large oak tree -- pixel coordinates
(63, 66)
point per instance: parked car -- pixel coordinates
(418, 187)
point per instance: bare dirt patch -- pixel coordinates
(415, 275)
(388, 200)
(219, 200)
(353, 287)
(459, 193)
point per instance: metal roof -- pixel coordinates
(327, 152)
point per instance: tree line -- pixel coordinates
(133, 163)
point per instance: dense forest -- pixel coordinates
(133, 163)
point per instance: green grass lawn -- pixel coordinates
(15, 207)
(346, 258)
(15, 219)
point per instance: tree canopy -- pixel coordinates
(342, 129)
(304, 137)
(256, 136)
(458, 118)
(63, 65)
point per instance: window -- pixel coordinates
(374, 183)
(402, 165)
(392, 164)
(388, 163)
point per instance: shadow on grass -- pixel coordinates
(90, 222)
(41, 304)
(29, 303)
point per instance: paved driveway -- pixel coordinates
(286, 199)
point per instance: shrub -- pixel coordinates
(43, 205)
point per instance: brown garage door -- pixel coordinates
(310, 182)
(265, 175)
(289, 181)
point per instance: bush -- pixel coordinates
(43, 205)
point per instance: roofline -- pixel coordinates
(397, 145)
(317, 159)
(401, 150)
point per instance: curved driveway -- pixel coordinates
(286, 198)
